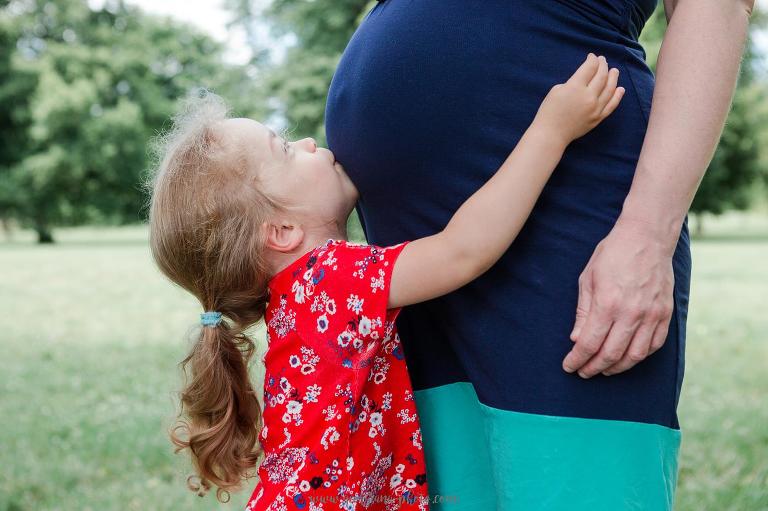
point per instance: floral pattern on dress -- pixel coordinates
(340, 427)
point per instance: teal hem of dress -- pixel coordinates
(481, 458)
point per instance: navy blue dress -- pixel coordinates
(429, 98)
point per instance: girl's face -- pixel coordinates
(306, 176)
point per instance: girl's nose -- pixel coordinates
(310, 143)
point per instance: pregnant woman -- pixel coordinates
(523, 377)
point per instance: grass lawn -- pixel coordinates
(91, 335)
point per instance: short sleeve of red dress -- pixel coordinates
(356, 279)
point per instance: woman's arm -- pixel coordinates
(484, 226)
(669, 8)
(625, 291)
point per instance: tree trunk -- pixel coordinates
(44, 234)
(7, 229)
(699, 229)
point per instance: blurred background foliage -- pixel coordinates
(83, 91)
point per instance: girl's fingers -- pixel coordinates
(613, 102)
(598, 80)
(586, 71)
(610, 87)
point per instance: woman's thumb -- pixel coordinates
(582, 307)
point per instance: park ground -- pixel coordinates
(91, 336)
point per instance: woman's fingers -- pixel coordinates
(638, 350)
(612, 349)
(597, 82)
(609, 88)
(660, 335)
(590, 339)
(586, 71)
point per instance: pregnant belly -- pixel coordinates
(430, 97)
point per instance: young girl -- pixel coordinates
(255, 227)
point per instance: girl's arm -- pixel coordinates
(485, 225)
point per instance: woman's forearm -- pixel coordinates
(695, 78)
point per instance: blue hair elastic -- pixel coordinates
(210, 318)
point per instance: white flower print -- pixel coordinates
(307, 369)
(344, 338)
(312, 392)
(330, 437)
(405, 418)
(309, 356)
(416, 438)
(322, 323)
(330, 307)
(329, 259)
(252, 504)
(377, 426)
(281, 465)
(287, 438)
(379, 369)
(399, 468)
(294, 361)
(294, 407)
(377, 283)
(355, 303)
(293, 413)
(319, 302)
(330, 413)
(283, 321)
(387, 401)
(298, 289)
(350, 463)
(395, 480)
(364, 327)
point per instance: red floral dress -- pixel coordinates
(340, 429)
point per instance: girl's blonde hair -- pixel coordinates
(205, 213)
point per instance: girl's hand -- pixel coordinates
(572, 109)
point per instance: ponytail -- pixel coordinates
(223, 412)
(205, 211)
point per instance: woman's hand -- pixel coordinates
(625, 302)
(572, 109)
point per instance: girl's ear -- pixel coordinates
(283, 235)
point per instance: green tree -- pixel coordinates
(92, 88)
(15, 91)
(299, 84)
